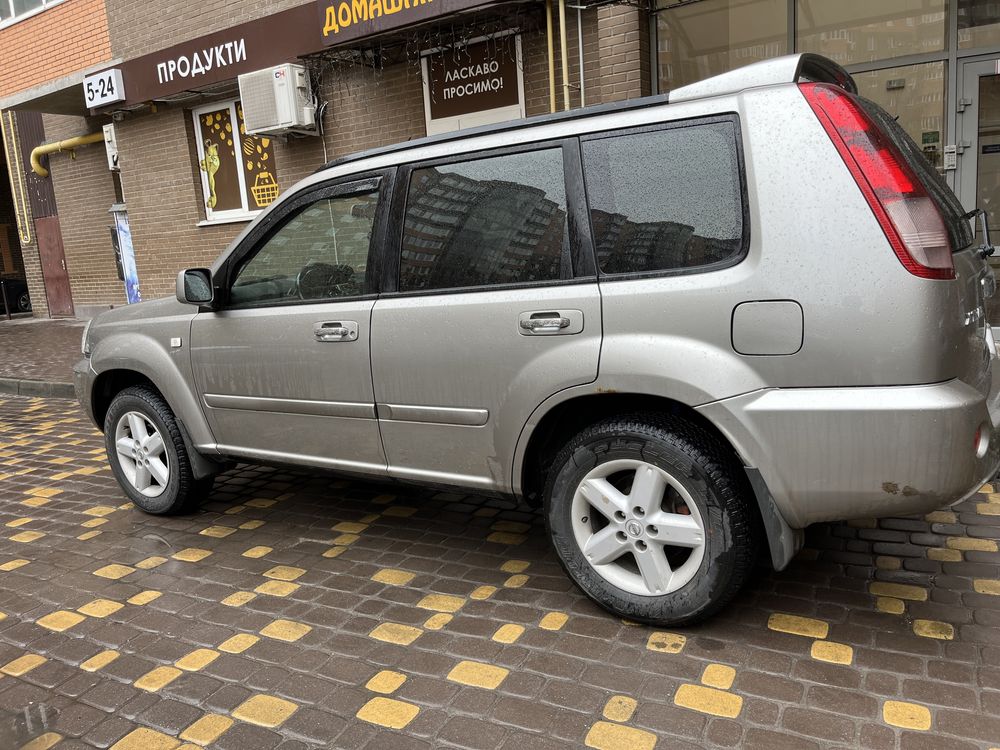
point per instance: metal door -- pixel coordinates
(53, 261)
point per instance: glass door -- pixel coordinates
(978, 178)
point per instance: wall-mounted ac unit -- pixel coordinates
(278, 100)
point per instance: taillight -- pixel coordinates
(904, 209)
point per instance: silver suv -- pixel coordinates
(688, 326)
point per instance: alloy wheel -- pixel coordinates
(141, 454)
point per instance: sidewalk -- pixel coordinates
(37, 356)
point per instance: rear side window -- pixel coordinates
(665, 200)
(493, 221)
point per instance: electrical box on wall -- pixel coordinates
(278, 100)
(111, 147)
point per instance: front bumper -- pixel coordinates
(83, 384)
(836, 453)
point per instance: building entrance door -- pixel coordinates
(978, 177)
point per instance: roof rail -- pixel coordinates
(787, 69)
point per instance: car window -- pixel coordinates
(320, 253)
(500, 220)
(666, 199)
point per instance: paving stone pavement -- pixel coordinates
(39, 349)
(300, 610)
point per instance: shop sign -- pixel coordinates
(347, 20)
(474, 78)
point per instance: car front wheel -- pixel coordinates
(651, 517)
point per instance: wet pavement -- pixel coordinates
(39, 349)
(299, 610)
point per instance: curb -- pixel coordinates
(43, 388)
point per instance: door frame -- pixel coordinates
(967, 125)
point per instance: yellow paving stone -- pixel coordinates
(88, 471)
(477, 674)
(897, 591)
(835, 653)
(125, 506)
(503, 537)
(60, 461)
(191, 554)
(345, 539)
(197, 659)
(61, 476)
(157, 678)
(934, 629)
(277, 588)
(34, 502)
(238, 643)
(483, 592)
(619, 708)
(394, 577)
(369, 519)
(399, 511)
(235, 509)
(43, 741)
(906, 715)
(969, 544)
(883, 562)
(88, 535)
(438, 621)
(987, 488)
(99, 661)
(251, 525)
(61, 620)
(553, 621)
(718, 676)
(386, 682)
(13, 564)
(27, 536)
(807, 626)
(515, 582)
(944, 555)
(508, 633)
(99, 510)
(388, 712)
(100, 608)
(511, 526)
(709, 700)
(988, 509)
(515, 566)
(256, 552)
(146, 739)
(239, 598)
(284, 573)
(334, 552)
(265, 711)
(150, 562)
(22, 664)
(890, 605)
(668, 643)
(144, 597)
(114, 571)
(486, 512)
(285, 630)
(394, 632)
(207, 729)
(218, 532)
(43, 492)
(260, 502)
(94, 522)
(607, 736)
(986, 586)
(350, 527)
(383, 499)
(441, 602)
(19, 522)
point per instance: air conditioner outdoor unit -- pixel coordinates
(278, 100)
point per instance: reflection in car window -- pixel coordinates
(491, 221)
(665, 200)
(321, 253)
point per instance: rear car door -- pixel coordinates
(283, 367)
(490, 306)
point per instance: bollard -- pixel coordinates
(3, 293)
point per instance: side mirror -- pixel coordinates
(194, 287)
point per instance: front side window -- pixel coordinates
(238, 174)
(665, 200)
(321, 253)
(500, 220)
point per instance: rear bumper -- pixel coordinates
(836, 453)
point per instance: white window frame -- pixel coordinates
(9, 4)
(472, 119)
(234, 214)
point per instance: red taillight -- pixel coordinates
(905, 211)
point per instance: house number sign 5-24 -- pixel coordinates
(103, 88)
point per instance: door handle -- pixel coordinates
(550, 322)
(333, 331)
(544, 324)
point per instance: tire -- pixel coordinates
(168, 486)
(24, 302)
(634, 482)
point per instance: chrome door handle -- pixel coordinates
(333, 331)
(545, 324)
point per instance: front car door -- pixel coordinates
(283, 366)
(491, 306)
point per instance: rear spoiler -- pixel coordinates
(787, 69)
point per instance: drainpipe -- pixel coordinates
(68, 145)
(552, 58)
(562, 52)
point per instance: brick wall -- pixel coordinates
(64, 39)
(623, 49)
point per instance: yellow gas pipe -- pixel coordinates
(68, 145)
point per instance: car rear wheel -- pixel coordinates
(651, 517)
(24, 302)
(148, 455)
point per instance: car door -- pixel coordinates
(283, 366)
(491, 306)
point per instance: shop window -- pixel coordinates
(857, 31)
(238, 174)
(320, 253)
(665, 200)
(699, 40)
(490, 221)
(978, 23)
